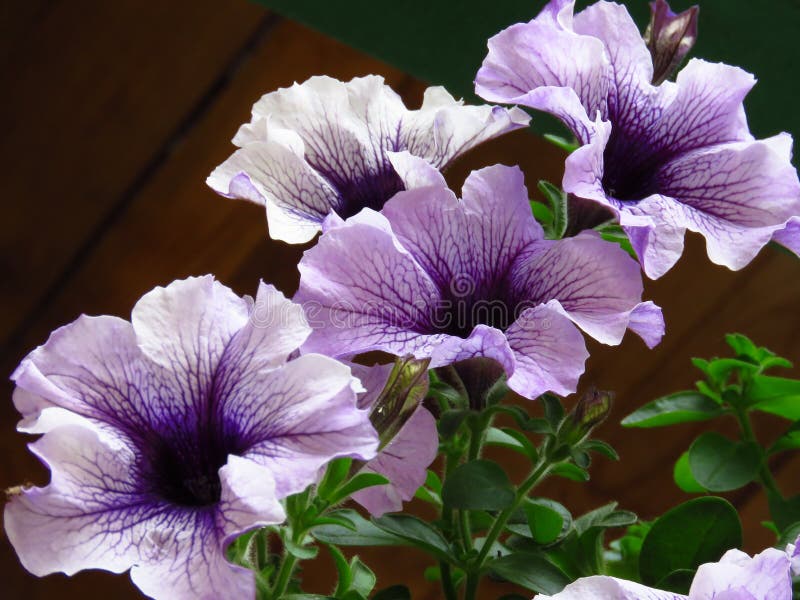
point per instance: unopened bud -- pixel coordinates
(669, 37)
(403, 392)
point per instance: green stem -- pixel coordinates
(465, 529)
(539, 472)
(284, 575)
(447, 581)
(764, 474)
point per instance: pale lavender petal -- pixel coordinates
(404, 462)
(766, 576)
(482, 342)
(296, 419)
(415, 172)
(549, 353)
(91, 515)
(647, 321)
(186, 326)
(373, 379)
(789, 236)
(466, 246)
(248, 499)
(94, 367)
(600, 587)
(349, 300)
(296, 197)
(594, 282)
(444, 128)
(534, 63)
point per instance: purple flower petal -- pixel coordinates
(450, 279)
(591, 282)
(169, 437)
(669, 37)
(324, 147)
(549, 353)
(404, 462)
(307, 418)
(600, 587)
(662, 158)
(737, 576)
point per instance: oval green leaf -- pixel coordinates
(682, 407)
(720, 464)
(696, 532)
(478, 485)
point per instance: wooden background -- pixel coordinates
(115, 112)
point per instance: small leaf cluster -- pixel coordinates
(733, 387)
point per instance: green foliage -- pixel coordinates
(681, 407)
(531, 571)
(696, 532)
(719, 464)
(480, 484)
(556, 201)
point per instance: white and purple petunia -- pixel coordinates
(170, 435)
(320, 150)
(660, 158)
(737, 576)
(449, 279)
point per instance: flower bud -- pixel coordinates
(669, 37)
(403, 392)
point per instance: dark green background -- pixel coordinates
(444, 41)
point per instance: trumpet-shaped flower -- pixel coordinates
(450, 279)
(662, 158)
(170, 435)
(737, 576)
(321, 150)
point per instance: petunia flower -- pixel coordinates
(394, 397)
(737, 576)
(321, 150)
(661, 158)
(170, 435)
(450, 279)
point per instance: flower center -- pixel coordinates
(629, 172)
(187, 474)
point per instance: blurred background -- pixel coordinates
(115, 112)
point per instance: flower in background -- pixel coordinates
(737, 576)
(322, 149)
(409, 438)
(662, 158)
(170, 435)
(450, 279)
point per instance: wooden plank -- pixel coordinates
(93, 91)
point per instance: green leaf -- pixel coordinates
(557, 199)
(775, 395)
(395, 592)
(784, 511)
(553, 410)
(789, 535)
(570, 471)
(363, 578)
(600, 447)
(512, 439)
(298, 550)
(416, 532)
(720, 464)
(478, 485)
(570, 145)
(684, 478)
(678, 581)
(544, 522)
(342, 569)
(365, 534)
(788, 441)
(681, 407)
(611, 232)
(336, 472)
(531, 571)
(451, 420)
(698, 531)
